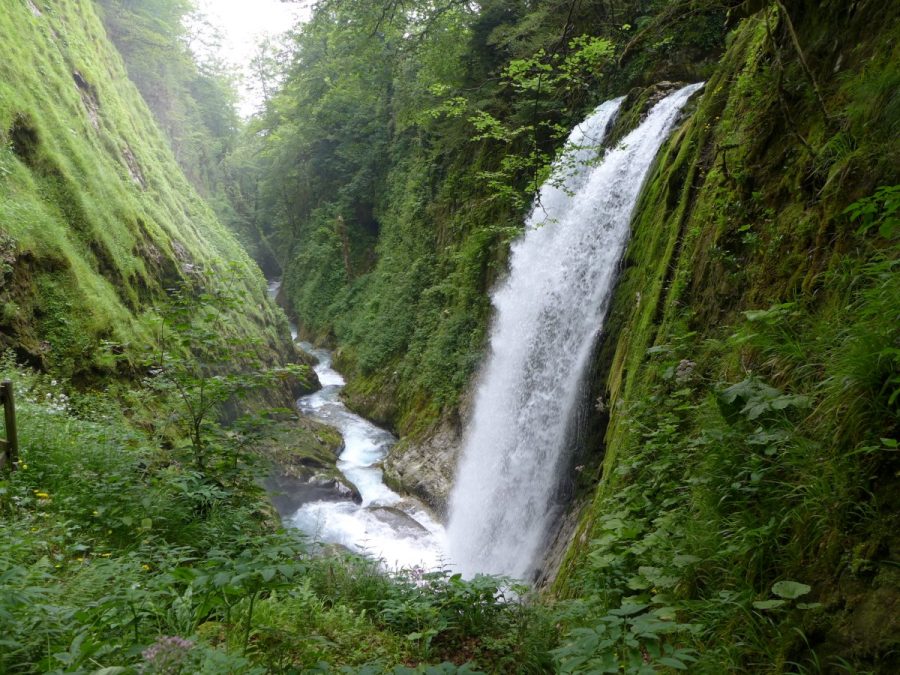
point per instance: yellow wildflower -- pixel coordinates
(42, 495)
(146, 568)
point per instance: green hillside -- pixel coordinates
(96, 218)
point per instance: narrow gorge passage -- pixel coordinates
(549, 312)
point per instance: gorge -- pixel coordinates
(580, 368)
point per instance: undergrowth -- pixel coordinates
(742, 518)
(121, 554)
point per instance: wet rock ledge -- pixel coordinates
(304, 454)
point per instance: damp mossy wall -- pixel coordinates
(96, 218)
(748, 375)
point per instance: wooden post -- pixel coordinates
(9, 447)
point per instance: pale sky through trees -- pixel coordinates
(243, 23)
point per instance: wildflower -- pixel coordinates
(684, 371)
(167, 654)
(41, 494)
(145, 567)
(23, 466)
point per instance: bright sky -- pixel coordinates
(243, 23)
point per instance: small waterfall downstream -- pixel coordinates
(548, 314)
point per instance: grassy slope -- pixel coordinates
(705, 502)
(96, 218)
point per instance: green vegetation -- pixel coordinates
(736, 500)
(121, 553)
(96, 219)
(399, 156)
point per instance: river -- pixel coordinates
(397, 530)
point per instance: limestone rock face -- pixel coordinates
(425, 468)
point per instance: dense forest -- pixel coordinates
(726, 497)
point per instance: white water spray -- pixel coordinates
(549, 312)
(397, 531)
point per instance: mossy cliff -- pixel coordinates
(96, 218)
(744, 476)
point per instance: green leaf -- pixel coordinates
(628, 610)
(672, 663)
(769, 604)
(790, 589)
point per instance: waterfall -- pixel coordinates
(548, 314)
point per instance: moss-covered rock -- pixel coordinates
(97, 220)
(303, 455)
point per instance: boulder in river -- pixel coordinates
(289, 493)
(397, 519)
(304, 465)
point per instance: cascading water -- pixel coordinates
(549, 312)
(396, 530)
